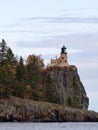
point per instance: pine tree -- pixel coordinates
(3, 52)
(51, 94)
(20, 70)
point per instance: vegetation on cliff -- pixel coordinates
(27, 80)
(30, 80)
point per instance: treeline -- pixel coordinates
(28, 79)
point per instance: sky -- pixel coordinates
(42, 27)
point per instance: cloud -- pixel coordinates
(42, 48)
(16, 31)
(82, 48)
(64, 19)
(78, 16)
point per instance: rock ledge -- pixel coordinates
(22, 110)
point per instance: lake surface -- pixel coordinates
(49, 126)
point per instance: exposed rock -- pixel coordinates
(68, 86)
(68, 89)
(16, 109)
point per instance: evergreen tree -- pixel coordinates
(10, 54)
(3, 52)
(20, 70)
(51, 94)
(11, 59)
(21, 61)
(7, 82)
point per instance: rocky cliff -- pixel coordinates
(66, 87)
(69, 88)
(16, 109)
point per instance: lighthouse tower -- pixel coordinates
(63, 57)
(62, 60)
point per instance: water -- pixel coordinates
(48, 126)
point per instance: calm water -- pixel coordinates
(48, 126)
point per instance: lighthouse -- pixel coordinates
(62, 60)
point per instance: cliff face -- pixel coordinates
(66, 87)
(16, 109)
(69, 88)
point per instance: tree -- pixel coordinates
(33, 70)
(7, 82)
(40, 62)
(51, 94)
(36, 61)
(10, 55)
(33, 77)
(7, 70)
(20, 70)
(3, 52)
(21, 61)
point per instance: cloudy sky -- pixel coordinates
(41, 27)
